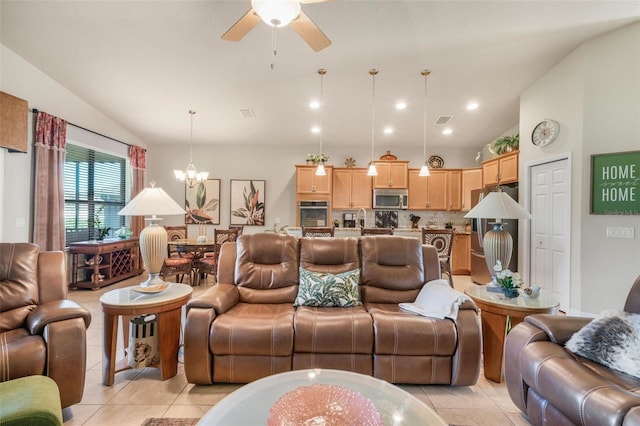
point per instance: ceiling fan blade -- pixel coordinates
(310, 32)
(242, 26)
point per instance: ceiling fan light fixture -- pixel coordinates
(276, 13)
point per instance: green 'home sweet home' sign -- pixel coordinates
(615, 183)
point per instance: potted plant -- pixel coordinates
(448, 225)
(506, 144)
(509, 281)
(414, 220)
(317, 158)
(101, 231)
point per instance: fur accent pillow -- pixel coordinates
(612, 339)
(328, 290)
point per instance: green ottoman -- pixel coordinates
(30, 401)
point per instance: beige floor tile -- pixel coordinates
(125, 415)
(474, 417)
(205, 394)
(187, 411)
(147, 388)
(470, 397)
(78, 414)
(418, 392)
(97, 393)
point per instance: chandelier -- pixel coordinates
(191, 175)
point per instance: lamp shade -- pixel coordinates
(498, 205)
(151, 201)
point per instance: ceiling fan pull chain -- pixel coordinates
(274, 48)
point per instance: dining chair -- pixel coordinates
(318, 231)
(376, 231)
(209, 264)
(177, 264)
(240, 228)
(442, 240)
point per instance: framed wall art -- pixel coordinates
(247, 202)
(615, 183)
(202, 203)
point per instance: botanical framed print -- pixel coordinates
(202, 203)
(247, 202)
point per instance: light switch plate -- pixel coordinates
(620, 232)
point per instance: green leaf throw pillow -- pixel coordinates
(328, 290)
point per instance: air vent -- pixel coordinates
(443, 119)
(246, 113)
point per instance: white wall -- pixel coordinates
(594, 93)
(21, 79)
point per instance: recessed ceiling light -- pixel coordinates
(388, 130)
(447, 131)
(314, 104)
(401, 105)
(315, 129)
(472, 105)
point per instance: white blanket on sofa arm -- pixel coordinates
(437, 300)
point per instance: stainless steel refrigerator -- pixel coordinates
(479, 271)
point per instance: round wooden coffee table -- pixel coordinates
(496, 312)
(127, 302)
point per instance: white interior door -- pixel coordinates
(550, 229)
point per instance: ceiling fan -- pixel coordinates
(280, 13)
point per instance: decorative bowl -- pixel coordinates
(100, 277)
(94, 260)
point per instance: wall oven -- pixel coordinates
(391, 199)
(313, 213)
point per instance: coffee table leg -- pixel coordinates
(169, 342)
(494, 329)
(109, 344)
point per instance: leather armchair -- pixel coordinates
(410, 348)
(41, 332)
(551, 385)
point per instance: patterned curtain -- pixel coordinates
(48, 205)
(138, 159)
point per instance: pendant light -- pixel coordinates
(190, 175)
(424, 170)
(320, 169)
(372, 167)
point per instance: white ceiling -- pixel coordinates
(146, 63)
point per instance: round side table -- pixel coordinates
(127, 302)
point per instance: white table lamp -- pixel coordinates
(152, 201)
(497, 243)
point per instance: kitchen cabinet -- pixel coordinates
(461, 254)
(308, 183)
(352, 188)
(439, 191)
(471, 180)
(500, 170)
(104, 262)
(391, 174)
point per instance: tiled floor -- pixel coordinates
(139, 394)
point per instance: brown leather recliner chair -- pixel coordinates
(553, 386)
(410, 348)
(41, 332)
(241, 329)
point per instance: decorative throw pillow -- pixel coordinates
(612, 339)
(328, 290)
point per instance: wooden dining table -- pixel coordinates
(197, 250)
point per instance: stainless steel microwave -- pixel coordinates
(394, 199)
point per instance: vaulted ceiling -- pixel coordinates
(146, 63)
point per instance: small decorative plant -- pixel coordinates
(101, 231)
(506, 144)
(509, 281)
(448, 225)
(414, 220)
(317, 158)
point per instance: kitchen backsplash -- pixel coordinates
(402, 217)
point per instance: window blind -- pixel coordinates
(94, 192)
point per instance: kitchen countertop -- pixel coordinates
(352, 232)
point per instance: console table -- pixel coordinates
(113, 259)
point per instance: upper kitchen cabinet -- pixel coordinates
(471, 179)
(391, 174)
(308, 183)
(454, 190)
(351, 188)
(431, 193)
(500, 170)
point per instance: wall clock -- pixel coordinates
(545, 132)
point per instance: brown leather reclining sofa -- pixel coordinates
(553, 386)
(41, 332)
(246, 327)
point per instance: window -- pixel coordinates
(94, 192)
